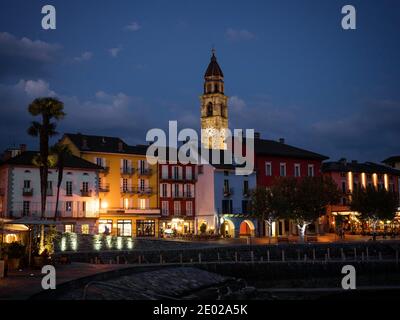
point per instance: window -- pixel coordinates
(188, 173)
(26, 208)
(245, 187)
(27, 184)
(209, 109)
(188, 191)
(124, 228)
(68, 188)
(226, 186)
(99, 162)
(68, 206)
(85, 187)
(344, 186)
(164, 190)
(164, 208)
(142, 184)
(84, 206)
(297, 172)
(105, 227)
(226, 206)
(176, 190)
(245, 206)
(177, 208)
(85, 229)
(189, 208)
(142, 203)
(69, 227)
(282, 169)
(311, 170)
(142, 166)
(268, 169)
(175, 171)
(145, 228)
(164, 172)
(125, 184)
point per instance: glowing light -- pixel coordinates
(109, 242)
(63, 244)
(11, 237)
(74, 241)
(97, 242)
(119, 243)
(104, 204)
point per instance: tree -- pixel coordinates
(261, 208)
(374, 204)
(48, 109)
(303, 200)
(60, 152)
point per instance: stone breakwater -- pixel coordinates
(168, 283)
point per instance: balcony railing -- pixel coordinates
(104, 187)
(143, 191)
(86, 193)
(178, 178)
(27, 192)
(144, 171)
(127, 190)
(127, 171)
(188, 195)
(227, 192)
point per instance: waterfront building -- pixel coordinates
(78, 207)
(128, 184)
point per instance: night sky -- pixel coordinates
(124, 67)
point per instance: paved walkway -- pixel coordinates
(20, 285)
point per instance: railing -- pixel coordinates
(144, 171)
(27, 192)
(127, 171)
(104, 187)
(127, 190)
(188, 195)
(146, 190)
(86, 193)
(178, 178)
(50, 214)
(227, 192)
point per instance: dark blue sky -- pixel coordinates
(123, 67)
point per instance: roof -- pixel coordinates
(104, 144)
(276, 148)
(392, 160)
(353, 166)
(71, 161)
(213, 68)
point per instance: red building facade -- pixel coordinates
(177, 198)
(274, 159)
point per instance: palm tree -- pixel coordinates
(48, 108)
(61, 153)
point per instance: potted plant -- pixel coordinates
(15, 252)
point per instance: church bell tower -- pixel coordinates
(214, 107)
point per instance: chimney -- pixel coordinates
(22, 147)
(281, 140)
(257, 135)
(120, 146)
(84, 143)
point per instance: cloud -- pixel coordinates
(114, 51)
(133, 26)
(239, 35)
(25, 57)
(85, 56)
(236, 104)
(35, 88)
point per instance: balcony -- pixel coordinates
(246, 193)
(144, 172)
(127, 190)
(127, 171)
(27, 192)
(104, 187)
(228, 192)
(86, 193)
(106, 169)
(188, 195)
(144, 191)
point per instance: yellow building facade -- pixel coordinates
(128, 185)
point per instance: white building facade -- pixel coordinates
(78, 206)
